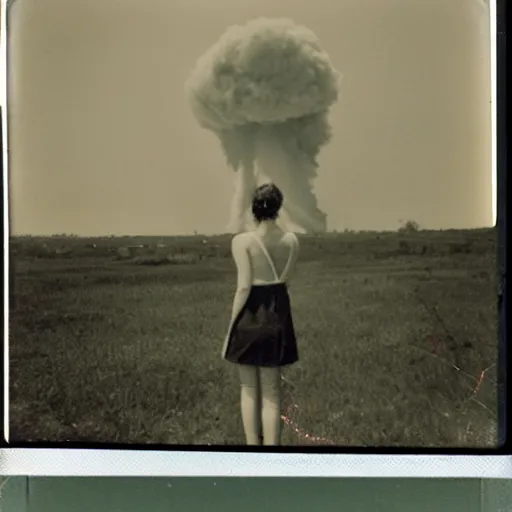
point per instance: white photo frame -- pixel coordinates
(111, 462)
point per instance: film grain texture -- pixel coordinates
(121, 273)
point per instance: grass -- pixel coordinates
(394, 333)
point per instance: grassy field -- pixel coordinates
(397, 338)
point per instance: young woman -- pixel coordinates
(261, 337)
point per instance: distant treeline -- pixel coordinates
(198, 247)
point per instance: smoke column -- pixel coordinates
(265, 90)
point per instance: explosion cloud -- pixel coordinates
(265, 90)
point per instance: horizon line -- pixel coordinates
(191, 235)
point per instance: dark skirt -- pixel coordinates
(263, 333)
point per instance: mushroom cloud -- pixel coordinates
(265, 89)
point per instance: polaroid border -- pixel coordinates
(65, 462)
(113, 461)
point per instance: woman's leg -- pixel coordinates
(250, 403)
(270, 382)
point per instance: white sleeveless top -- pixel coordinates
(278, 279)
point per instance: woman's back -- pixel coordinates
(273, 255)
(261, 336)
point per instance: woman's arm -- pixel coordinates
(294, 254)
(244, 274)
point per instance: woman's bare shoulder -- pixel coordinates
(291, 238)
(240, 240)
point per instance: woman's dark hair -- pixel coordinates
(266, 202)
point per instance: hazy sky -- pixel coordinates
(102, 140)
